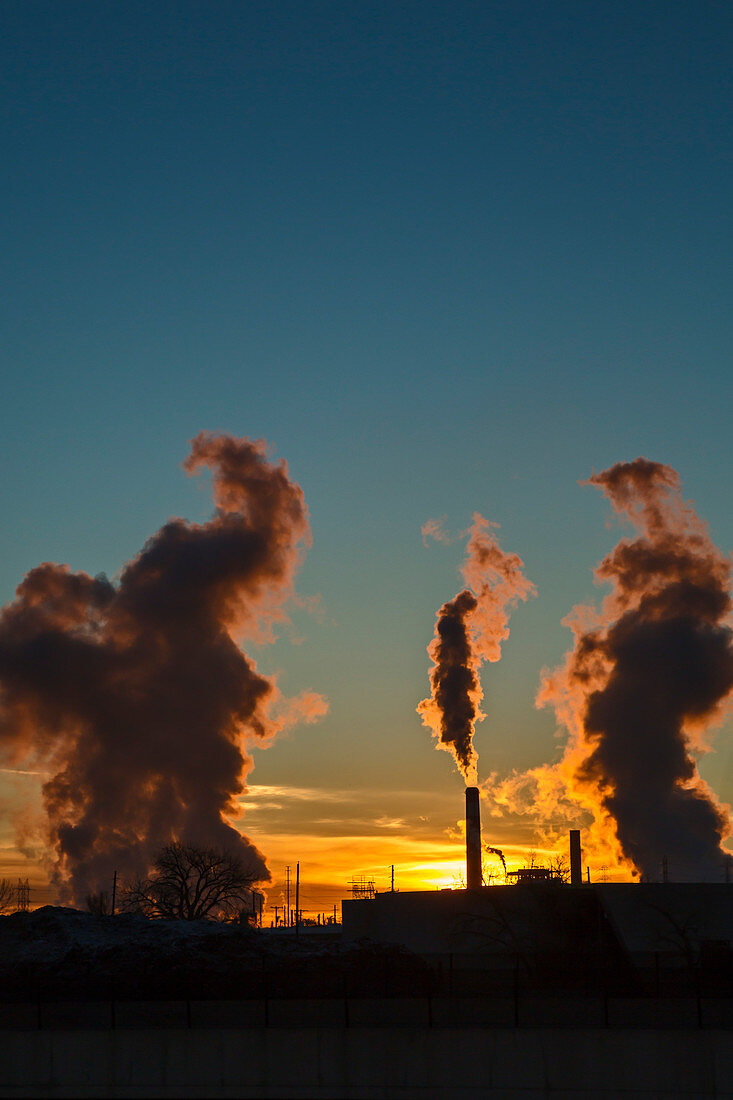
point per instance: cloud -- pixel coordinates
(434, 529)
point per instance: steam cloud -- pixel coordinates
(644, 680)
(469, 630)
(134, 697)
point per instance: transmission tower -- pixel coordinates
(24, 896)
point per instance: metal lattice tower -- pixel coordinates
(362, 887)
(24, 896)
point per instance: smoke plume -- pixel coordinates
(643, 683)
(469, 630)
(134, 697)
(498, 852)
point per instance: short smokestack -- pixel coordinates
(473, 839)
(576, 870)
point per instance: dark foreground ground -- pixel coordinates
(125, 1007)
(57, 954)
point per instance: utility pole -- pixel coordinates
(393, 878)
(287, 887)
(114, 893)
(297, 897)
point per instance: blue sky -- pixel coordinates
(446, 257)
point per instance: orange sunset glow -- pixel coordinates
(340, 836)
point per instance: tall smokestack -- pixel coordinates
(473, 839)
(576, 870)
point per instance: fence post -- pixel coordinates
(516, 991)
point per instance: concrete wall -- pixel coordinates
(406, 1062)
(526, 1010)
(500, 920)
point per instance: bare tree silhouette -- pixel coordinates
(190, 883)
(679, 931)
(494, 928)
(7, 895)
(560, 868)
